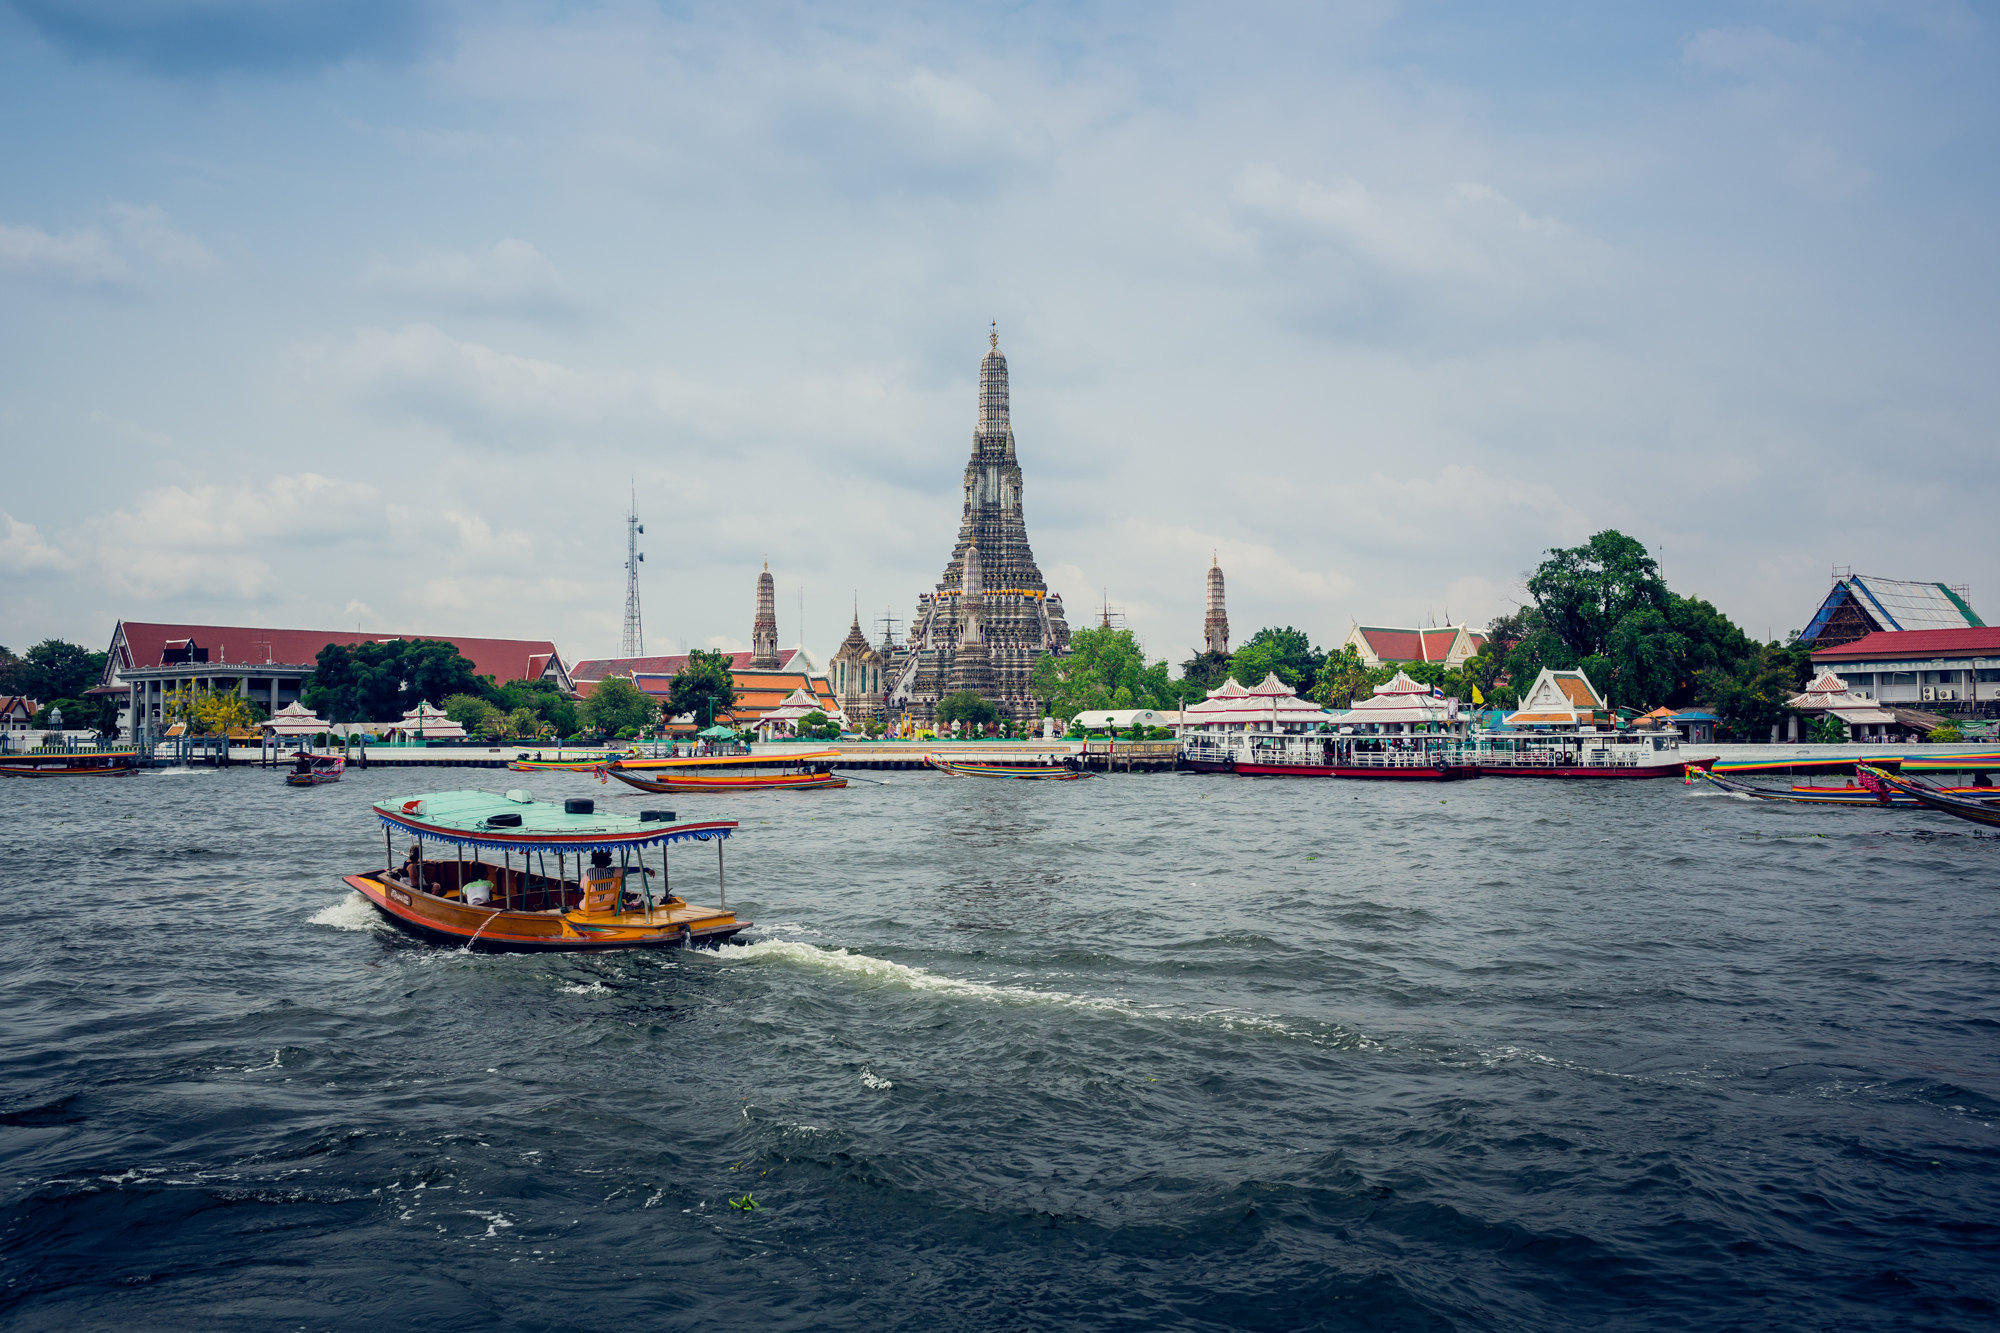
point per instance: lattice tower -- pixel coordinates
(632, 643)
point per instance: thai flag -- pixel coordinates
(1437, 691)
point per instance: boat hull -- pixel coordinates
(81, 771)
(1017, 772)
(1406, 773)
(1581, 770)
(728, 782)
(442, 921)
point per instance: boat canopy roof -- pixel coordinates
(466, 819)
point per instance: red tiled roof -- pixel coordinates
(597, 668)
(1916, 643)
(146, 644)
(1410, 645)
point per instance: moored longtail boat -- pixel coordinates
(540, 877)
(310, 770)
(725, 773)
(1985, 812)
(1033, 769)
(115, 764)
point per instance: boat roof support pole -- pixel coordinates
(721, 890)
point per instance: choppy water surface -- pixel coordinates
(1138, 1052)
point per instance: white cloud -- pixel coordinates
(147, 230)
(79, 258)
(24, 551)
(228, 542)
(512, 277)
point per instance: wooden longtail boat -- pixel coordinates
(1933, 798)
(1856, 795)
(1031, 769)
(567, 879)
(729, 772)
(520, 763)
(114, 765)
(311, 770)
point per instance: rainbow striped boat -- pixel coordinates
(1033, 769)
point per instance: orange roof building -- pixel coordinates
(1561, 699)
(757, 693)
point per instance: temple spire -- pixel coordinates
(1215, 626)
(764, 630)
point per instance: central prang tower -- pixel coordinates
(991, 602)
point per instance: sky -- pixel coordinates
(358, 314)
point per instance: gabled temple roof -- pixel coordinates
(1887, 605)
(140, 643)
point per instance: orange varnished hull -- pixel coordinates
(444, 920)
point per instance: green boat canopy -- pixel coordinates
(718, 733)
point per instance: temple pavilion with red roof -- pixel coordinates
(1379, 645)
(1271, 707)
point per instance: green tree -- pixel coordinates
(379, 682)
(478, 717)
(1105, 668)
(1203, 672)
(1287, 652)
(60, 670)
(616, 707)
(1945, 735)
(817, 726)
(1827, 730)
(525, 723)
(556, 709)
(212, 712)
(1343, 678)
(1583, 591)
(13, 673)
(969, 707)
(703, 687)
(1749, 695)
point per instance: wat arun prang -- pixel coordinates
(991, 616)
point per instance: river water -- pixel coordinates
(1137, 1052)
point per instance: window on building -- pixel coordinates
(1899, 678)
(1989, 675)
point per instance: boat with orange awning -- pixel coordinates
(510, 873)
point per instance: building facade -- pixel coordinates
(148, 661)
(991, 615)
(1940, 672)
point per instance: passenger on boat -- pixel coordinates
(479, 893)
(601, 884)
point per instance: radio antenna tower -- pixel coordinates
(633, 644)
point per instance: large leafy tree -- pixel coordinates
(1205, 671)
(556, 711)
(13, 673)
(703, 687)
(1583, 591)
(616, 707)
(1288, 652)
(967, 706)
(476, 715)
(1104, 668)
(1749, 695)
(379, 682)
(1343, 678)
(57, 674)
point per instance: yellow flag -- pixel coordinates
(1477, 697)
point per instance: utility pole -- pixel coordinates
(633, 642)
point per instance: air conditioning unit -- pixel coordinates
(1927, 694)
(1944, 694)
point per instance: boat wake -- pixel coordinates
(352, 912)
(884, 972)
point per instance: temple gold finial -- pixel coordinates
(993, 338)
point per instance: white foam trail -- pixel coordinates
(353, 912)
(594, 988)
(900, 974)
(875, 1081)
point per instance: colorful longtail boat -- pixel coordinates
(1032, 769)
(541, 876)
(729, 772)
(1985, 812)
